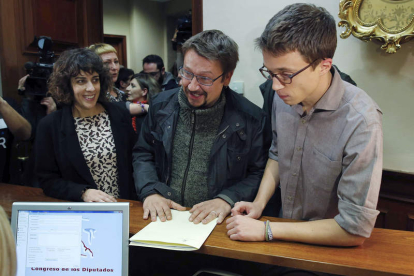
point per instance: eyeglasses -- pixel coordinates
(201, 80)
(282, 78)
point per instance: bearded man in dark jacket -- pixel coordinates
(201, 145)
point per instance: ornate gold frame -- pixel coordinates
(349, 13)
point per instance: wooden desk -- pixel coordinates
(387, 252)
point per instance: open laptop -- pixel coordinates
(71, 238)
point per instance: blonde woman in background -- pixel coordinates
(7, 247)
(110, 60)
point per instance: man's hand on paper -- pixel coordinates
(208, 210)
(250, 209)
(243, 228)
(158, 205)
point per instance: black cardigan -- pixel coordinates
(60, 164)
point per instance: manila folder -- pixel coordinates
(176, 234)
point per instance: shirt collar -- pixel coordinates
(333, 96)
(330, 100)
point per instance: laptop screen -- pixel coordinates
(70, 242)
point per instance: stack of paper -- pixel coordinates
(176, 234)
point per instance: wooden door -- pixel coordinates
(119, 43)
(70, 24)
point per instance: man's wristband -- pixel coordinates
(268, 231)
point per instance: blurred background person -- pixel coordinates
(12, 125)
(154, 66)
(110, 60)
(8, 261)
(36, 104)
(140, 91)
(124, 78)
(83, 151)
(183, 31)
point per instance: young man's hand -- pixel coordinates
(250, 209)
(243, 228)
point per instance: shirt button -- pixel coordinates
(237, 124)
(294, 174)
(169, 193)
(224, 136)
(289, 198)
(168, 126)
(298, 148)
(303, 121)
(238, 158)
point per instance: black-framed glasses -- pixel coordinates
(201, 80)
(283, 78)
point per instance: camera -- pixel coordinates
(39, 72)
(183, 31)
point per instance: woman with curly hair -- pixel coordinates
(83, 151)
(140, 91)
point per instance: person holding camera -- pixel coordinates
(99, 135)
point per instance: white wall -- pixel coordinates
(144, 23)
(147, 31)
(117, 21)
(388, 79)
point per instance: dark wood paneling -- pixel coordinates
(396, 201)
(197, 16)
(70, 23)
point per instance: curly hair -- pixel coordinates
(69, 65)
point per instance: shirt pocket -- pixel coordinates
(324, 173)
(237, 155)
(236, 164)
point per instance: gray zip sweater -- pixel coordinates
(193, 140)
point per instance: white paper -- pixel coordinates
(176, 234)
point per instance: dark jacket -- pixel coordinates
(237, 158)
(60, 164)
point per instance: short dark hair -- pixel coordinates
(305, 28)
(124, 74)
(154, 59)
(214, 45)
(69, 65)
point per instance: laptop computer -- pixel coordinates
(71, 238)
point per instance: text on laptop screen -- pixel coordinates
(69, 243)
